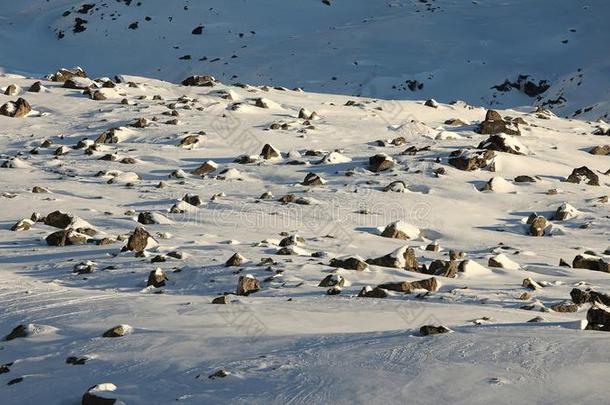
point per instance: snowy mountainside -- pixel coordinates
(258, 245)
(498, 53)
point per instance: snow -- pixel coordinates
(291, 342)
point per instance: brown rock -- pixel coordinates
(350, 263)
(247, 285)
(583, 175)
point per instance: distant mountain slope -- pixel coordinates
(410, 49)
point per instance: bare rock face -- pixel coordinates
(494, 124)
(156, 278)
(349, 263)
(591, 263)
(429, 330)
(16, 109)
(598, 318)
(503, 143)
(583, 175)
(139, 240)
(471, 160)
(380, 162)
(118, 331)
(201, 81)
(247, 285)
(538, 226)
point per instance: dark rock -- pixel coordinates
(581, 297)
(583, 175)
(66, 237)
(600, 150)
(502, 143)
(429, 330)
(313, 180)
(442, 268)
(17, 109)
(139, 239)
(269, 152)
(538, 226)
(591, 263)
(524, 179)
(157, 278)
(118, 331)
(19, 331)
(380, 162)
(598, 318)
(350, 263)
(222, 300)
(332, 280)
(376, 292)
(205, 81)
(469, 161)
(235, 261)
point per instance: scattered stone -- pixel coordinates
(349, 263)
(157, 278)
(23, 225)
(565, 307)
(581, 297)
(502, 261)
(100, 394)
(469, 160)
(235, 261)
(380, 162)
(538, 226)
(64, 74)
(442, 268)
(202, 81)
(369, 292)
(601, 150)
(140, 240)
(401, 230)
(205, 168)
(16, 109)
(494, 124)
(591, 263)
(222, 373)
(269, 152)
(430, 330)
(66, 237)
(583, 175)
(504, 143)
(222, 300)
(313, 180)
(431, 103)
(332, 280)
(565, 212)
(118, 331)
(247, 285)
(36, 87)
(524, 179)
(598, 318)
(529, 283)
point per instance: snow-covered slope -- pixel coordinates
(396, 49)
(292, 341)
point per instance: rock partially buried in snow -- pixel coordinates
(401, 258)
(583, 175)
(247, 285)
(101, 394)
(332, 280)
(499, 185)
(598, 318)
(380, 162)
(502, 261)
(430, 330)
(401, 230)
(29, 330)
(538, 226)
(591, 263)
(66, 237)
(494, 124)
(235, 261)
(565, 212)
(140, 240)
(313, 180)
(156, 278)
(504, 143)
(269, 152)
(349, 263)
(369, 292)
(16, 109)
(471, 160)
(118, 331)
(205, 168)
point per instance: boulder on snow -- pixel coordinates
(201, 81)
(332, 280)
(583, 175)
(430, 284)
(118, 331)
(589, 296)
(380, 162)
(401, 230)
(503, 143)
(502, 261)
(598, 318)
(498, 185)
(64, 74)
(247, 285)
(16, 109)
(442, 268)
(401, 258)
(603, 150)
(471, 160)
(430, 330)
(269, 152)
(565, 212)
(495, 124)
(205, 168)
(66, 237)
(140, 240)
(157, 278)
(235, 261)
(312, 180)
(591, 263)
(101, 394)
(369, 292)
(349, 263)
(538, 226)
